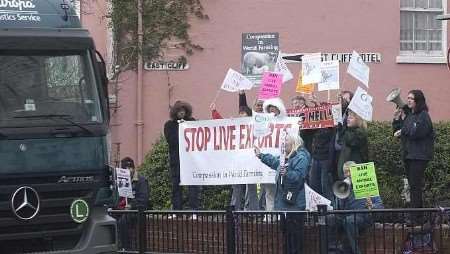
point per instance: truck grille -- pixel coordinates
(53, 223)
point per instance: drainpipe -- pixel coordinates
(139, 117)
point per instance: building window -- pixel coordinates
(422, 38)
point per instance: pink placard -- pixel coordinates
(270, 85)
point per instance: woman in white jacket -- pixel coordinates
(276, 107)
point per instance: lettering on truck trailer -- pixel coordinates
(18, 10)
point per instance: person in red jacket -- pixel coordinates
(251, 199)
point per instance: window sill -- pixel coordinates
(421, 59)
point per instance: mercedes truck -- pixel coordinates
(54, 175)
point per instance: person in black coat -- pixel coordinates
(417, 139)
(139, 201)
(180, 111)
(335, 148)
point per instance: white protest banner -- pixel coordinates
(358, 69)
(123, 180)
(313, 199)
(281, 67)
(261, 124)
(311, 68)
(234, 81)
(361, 104)
(336, 110)
(330, 76)
(221, 152)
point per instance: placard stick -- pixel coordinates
(328, 100)
(217, 96)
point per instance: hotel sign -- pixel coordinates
(341, 57)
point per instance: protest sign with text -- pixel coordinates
(364, 180)
(358, 69)
(123, 180)
(330, 76)
(270, 85)
(336, 110)
(311, 68)
(281, 67)
(258, 54)
(234, 81)
(221, 152)
(261, 124)
(314, 118)
(361, 104)
(313, 199)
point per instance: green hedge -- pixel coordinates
(384, 150)
(156, 169)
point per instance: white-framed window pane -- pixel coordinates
(435, 46)
(420, 26)
(407, 4)
(436, 4)
(406, 46)
(406, 26)
(420, 32)
(421, 45)
(421, 4)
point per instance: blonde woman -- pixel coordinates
(290, 193)
(354, 142)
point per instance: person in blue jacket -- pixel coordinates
(352, 223)
(290, 192)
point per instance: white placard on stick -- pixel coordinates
(123, 180)
(234, 81)
(261, 124)
(313, 199)
(361, 104)
(330, 76)
(281, 67)
(358, 69)
(311, 68)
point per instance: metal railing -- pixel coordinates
(353, 231)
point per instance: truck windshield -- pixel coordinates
(43, 83)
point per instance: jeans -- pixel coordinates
(251, 199)
(321, 179)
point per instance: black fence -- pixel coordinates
(404, 231)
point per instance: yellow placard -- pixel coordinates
(303, 88)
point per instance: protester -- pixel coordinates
(240, 190)
(344, 99)
(139, 186)
(257, 105)
(321, 177)
(290, 192)
(299, 102)
(354, 142)
(181, 111)
(140, 201)
(257, 108)
(417, 135)
(351, 224)
(276, 107)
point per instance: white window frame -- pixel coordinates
(411, 57)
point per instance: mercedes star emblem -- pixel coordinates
(25, 203)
